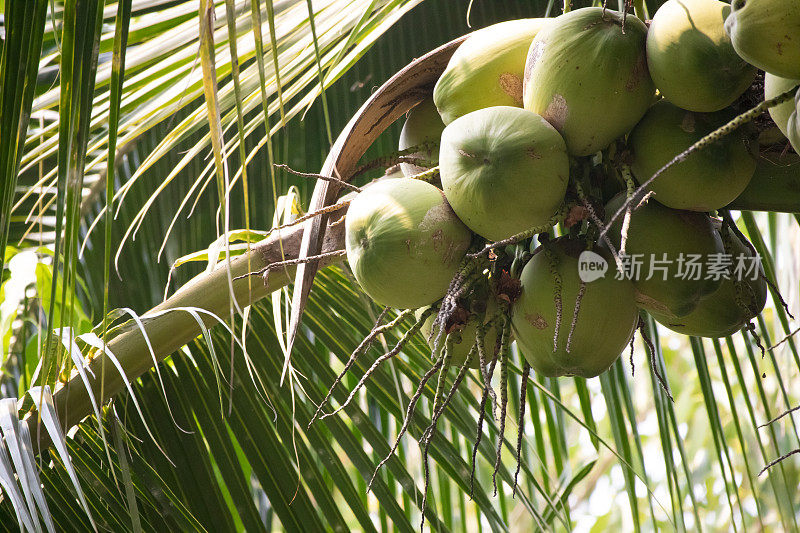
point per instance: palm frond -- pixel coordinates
(205, 435)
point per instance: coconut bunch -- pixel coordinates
(539, 122)
(589, 136)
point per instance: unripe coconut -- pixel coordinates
(607, 313)
(728, 309)
(709, 178)
(486, 69)
(766, 33)
(793, 126)
(690, 56)
(404, 243)
(661, 239)
(775, 185)
(588, 78)
(423, 125)
(465, 337)
(774, 86)
(504, 170)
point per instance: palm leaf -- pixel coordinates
(214, 455)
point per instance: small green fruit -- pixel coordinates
(588, 77)
(404, 243)
(691, 58)
(486, 69)
(766, 33)
(774, 86)
(606, 317)
(709, 178)
(423, 125)
(504, 170)
(662, 240)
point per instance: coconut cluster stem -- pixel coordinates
(633, 367)
(559, 217)
(397, 157)
(428, 175)
(751, 329)
(380, 360)
(299, 220)
(264, 271)
(481, 417)
(556, 277)
(409, 415)
(726, 217)
(439, 405)
(437, 414)
(523, 394)
(779, 460)
(503, 356)
(480, 344)
(377, 329)
(458, 284)
(599, 224)
(630, 186)
(653, 363)
(575, 311)
(322, 177)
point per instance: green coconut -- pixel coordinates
(774, 86)
(423, 125)
(793, 126)
(661, 240)
(588, 77)
(729, 308)
(766, 33)
(709, 178)
(486, 69)
(465, 338)
(691, 58)
(404, 243)
(775, 185)
(606, 319)
(504, 170)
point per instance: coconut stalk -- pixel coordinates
(167, 332)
